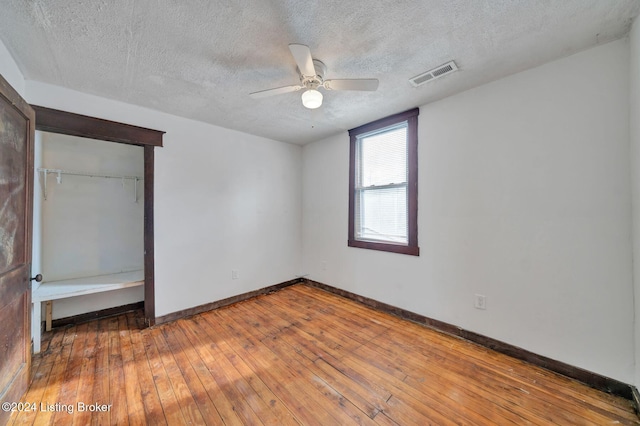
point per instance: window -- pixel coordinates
(383, 184)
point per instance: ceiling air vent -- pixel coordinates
(444, 69)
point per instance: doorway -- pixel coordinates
(88, 210)
(65, 123)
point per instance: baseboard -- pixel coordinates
(636, 399)
(90, 316)
(589, 378)
(224, 302)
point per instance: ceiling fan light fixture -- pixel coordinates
(312, 99)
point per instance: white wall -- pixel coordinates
(634, 128)
(10, 71)
(90, 226)
(223, 200)
(523, 197)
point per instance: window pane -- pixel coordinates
(383, 187)
(381, 214)
(383, 157)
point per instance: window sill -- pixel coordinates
(393, 248)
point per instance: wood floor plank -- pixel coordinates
(40, 379)
(197, 375)
(354, 369)
(513, 386)
(153, 412)
(306, 369)
(168, 400)
(384, 420)
(71, 380)
(314, 326)
(406, 414)
(501, 364)
(409, 329)
(279, 376)
(188, 405)
(50, 396)
(133, 391)
(233, 408)
(365, 399)
(100, 393)
(367, 321)
(426, 404)
(297, 356)
(85, 386)
(338, 305)
(117, 393)
(263, 403)
(297, 334)
(567, 416)
(278, 413)
(428, 376)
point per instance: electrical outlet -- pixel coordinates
(480, 302)
(323, 265)
(235, 274)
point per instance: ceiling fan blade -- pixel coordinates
(302, 56)
(369, 84)
(276, 91)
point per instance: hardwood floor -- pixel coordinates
(298, 356)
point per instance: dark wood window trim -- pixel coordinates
(411, 117)
(67, 123)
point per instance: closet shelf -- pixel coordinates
(61, 289)
(59, 172)
(53, 290)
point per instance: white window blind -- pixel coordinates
(381, 186)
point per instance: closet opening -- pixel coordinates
(93, 218)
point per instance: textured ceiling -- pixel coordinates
(201, 58)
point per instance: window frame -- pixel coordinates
(411, 117)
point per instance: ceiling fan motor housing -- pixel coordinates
(317, 80)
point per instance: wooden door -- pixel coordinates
(17, 128)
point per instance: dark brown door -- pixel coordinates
(17, 127)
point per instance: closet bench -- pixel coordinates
(52, 290)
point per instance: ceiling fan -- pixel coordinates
(312, 73)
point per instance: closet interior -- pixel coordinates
(88, 234)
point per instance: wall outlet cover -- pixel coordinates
(480, 301)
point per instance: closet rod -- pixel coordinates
(74, 173)
(60, 172)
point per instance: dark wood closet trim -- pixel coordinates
(225, 302)
(67, 123)
(101, 314)
(589, 378)
(149, 253)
